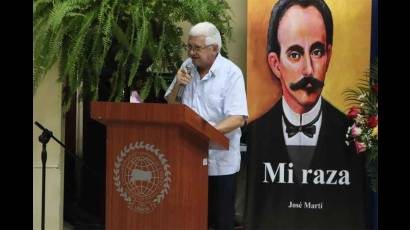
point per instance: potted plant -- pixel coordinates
(363, 133)
(114, 46)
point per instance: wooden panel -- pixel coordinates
(120, 112)
(185, 205)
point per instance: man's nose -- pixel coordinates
(191, 52)
(307, 67)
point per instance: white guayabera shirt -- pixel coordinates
(219, 94)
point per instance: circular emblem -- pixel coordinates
(141, 176)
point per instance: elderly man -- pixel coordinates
(214, 87)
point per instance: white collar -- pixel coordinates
(307, 117)
(214, 68)
(216, 63)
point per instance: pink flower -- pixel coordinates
(372, 122)
(353, 112)
(356, 131)
(360, 147)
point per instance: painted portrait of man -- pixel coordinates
(301, 174)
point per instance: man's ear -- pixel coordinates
(273, 61)
(214, 48)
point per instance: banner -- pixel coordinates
(302, 56)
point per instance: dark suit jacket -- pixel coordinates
(342, 206)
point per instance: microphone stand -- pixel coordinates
(44, 139)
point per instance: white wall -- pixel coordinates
(47, 111)
(237, 46)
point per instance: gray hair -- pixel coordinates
(209, 30)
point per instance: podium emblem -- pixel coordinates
(141, 176)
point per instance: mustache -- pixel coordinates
(305, 81)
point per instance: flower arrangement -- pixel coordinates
(363, 133)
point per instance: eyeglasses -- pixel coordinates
(196, 49)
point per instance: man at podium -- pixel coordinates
(214, 87)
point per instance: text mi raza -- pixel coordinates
(320, 176)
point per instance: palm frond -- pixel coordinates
(134, 41)
(60, 10)
(77, 49)
(142, 36)
(146, 88)
(39, 5)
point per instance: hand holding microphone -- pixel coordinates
(184, 75)
(183, 78)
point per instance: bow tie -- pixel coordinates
(309, 129)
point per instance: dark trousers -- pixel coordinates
(221, 202)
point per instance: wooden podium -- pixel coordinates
(156, 172)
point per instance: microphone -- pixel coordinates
(39, 125)
(45, 131)
(188, 70)
(47, 134)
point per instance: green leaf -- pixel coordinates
(146, 88)
(126, 39)
(141, 39)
